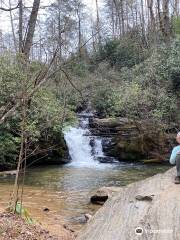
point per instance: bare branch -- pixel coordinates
(9, 9)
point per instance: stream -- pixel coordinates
(60, 194)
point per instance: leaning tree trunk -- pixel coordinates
(31, 28)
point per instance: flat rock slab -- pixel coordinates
(145, 210)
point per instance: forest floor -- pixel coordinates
(12, 227)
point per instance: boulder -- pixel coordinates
(110, 122)
(144, 210)
(104, 193)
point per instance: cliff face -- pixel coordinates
(130, 140)
(145, 210)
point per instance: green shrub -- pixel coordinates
(122, 53)
(9, 146)
(148, 90)
(45, 112)
(176, 25)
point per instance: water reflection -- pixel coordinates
(66, 190)
(69, 178)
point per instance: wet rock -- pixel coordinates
(109, 122)
(102, 194)
(87, 216)
(48, 155)
(144, 198)
(99, 200)
(120, 217)
(107, 159)
(92, 142)
(8, 173)
(46, 210)
(129, 140)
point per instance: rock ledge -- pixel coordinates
(145, 210)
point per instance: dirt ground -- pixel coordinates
(12, 227)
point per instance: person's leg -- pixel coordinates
(177, 179)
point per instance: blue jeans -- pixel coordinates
(178, 164)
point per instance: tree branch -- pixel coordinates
(9, 9)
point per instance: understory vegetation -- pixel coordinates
(129, 68)
(147, 90)
(118, 81)
(46, 115)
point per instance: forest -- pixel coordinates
(124, 58)
(119, 57)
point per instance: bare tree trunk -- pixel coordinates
(136, 11)
(127, 16)
(21, 155)
(40, 48)
(93, 41)
(98, 23)
(118, 17)
(176, 8)
(79, 32)
(122, 16)
(12, 27)
(113, 21)
(133, 18)
(152, 21)
(59, 30)
(20, 26)
(143, 24)
(31, 28)
(152, 18)
(166, 20)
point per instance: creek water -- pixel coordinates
(64, 191)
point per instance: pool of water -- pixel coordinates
(66, 190)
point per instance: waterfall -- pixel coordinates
(79, 141)
(98, 150)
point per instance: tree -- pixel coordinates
(166, 21)
(30, 28)
(20, 31)
(98, 24)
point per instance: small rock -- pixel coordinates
(67, 228)
(144, 198)
(46, 210)
(88, 216)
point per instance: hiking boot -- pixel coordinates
(177, 180)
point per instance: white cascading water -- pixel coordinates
(98, 148)
(78, 141)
